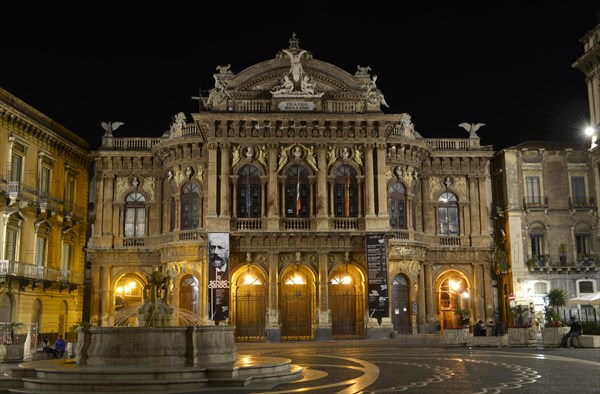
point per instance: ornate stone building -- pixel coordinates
(331, 218)
(44, 183)
(547, 219)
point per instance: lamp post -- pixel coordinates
(593, 132)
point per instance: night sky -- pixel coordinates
(507, 67)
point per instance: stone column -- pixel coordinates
(324, 332)
(473, 205)
(322, 189)
(212, 177)
(422, 311)
(273, 329)
(368, 186)
(429, 294)
(382, 182)
(105, 296)
(427, 224)
(483, 181)
(488, 290)
(478, 293)
(225, 182)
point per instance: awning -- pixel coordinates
(586, 299)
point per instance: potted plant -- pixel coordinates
(521, 333)
(554, 329)
(500, 258)
(12, 348)
(458, 335)
(562, 251)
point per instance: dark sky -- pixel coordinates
(508, 67)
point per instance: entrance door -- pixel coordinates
(296, 313)
(249, 308)
(189, 308)
(400, 305)
(347, 305)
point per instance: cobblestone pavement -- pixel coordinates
(420, 364)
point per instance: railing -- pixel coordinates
(24, 270)
(449, 143)
(14, 188)
(582, 203)
(248, 224)
(346, 224)
(535, 202)
(189, 235)
(297, 224)
(133, 143)
(448, 241)
(133, 242)
(252, 106)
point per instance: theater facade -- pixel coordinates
(329, 218)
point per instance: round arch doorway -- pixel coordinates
(297, 311)
(249, 305)
(401, 305)
(347, 304)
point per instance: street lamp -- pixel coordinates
(593, 132)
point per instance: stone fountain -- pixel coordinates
(156, 356)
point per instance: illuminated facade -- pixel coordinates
(44, 183)
(341, 221)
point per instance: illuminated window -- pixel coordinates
(135, 215)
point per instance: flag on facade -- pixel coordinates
(298, 204)
(348, 196)
(248, 199)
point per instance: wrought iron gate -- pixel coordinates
(297, 320)
(249, 317)
(347, 315)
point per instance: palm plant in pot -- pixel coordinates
(554, 329)
(521, 333)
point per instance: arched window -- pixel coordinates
(249, 192)
(6, 308)
(190, 206)
(397, 205)
(135, 215)
(13, 235)
(36, 314)
(297, 192)
(345, 196)
(448, 214)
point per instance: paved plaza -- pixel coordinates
(421, 364)
(414, 364)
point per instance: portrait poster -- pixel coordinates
(218, 276)
(377, 275)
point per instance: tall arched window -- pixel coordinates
(190, 206)
(397, 205)
(6, 308)
(249, 192)
(448, 214)
(135, 215)
(297, 192)
(345, 196)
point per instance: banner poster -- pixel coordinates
(218, 276)
(377, 275)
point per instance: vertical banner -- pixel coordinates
(218, 276)
(377, 267)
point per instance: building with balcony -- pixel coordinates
(44, 183)
(546, 218)
(294, 208)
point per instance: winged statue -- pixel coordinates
(111, 126)
(471, 128)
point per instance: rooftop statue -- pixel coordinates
(296, 82)
(472, 128)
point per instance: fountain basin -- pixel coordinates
(156, 346)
